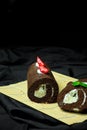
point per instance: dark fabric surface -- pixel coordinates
(14, 63)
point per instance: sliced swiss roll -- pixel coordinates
(42, 86)
(74, 96)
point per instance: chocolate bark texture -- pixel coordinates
(42, 87)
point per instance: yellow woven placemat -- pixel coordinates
(18, 91)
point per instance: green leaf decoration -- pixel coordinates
(78, 83)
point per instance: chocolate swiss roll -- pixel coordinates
(73, 97)
(42, 86)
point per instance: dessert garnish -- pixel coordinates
(42, 66)
(79, 83)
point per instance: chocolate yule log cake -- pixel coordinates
(74, 96)
(42, 86)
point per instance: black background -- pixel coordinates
(37, 23)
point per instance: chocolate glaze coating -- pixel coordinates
(35, 79)
(79, 98)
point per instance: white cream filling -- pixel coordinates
(84, 99)
(76, 109)
(71, 97)
(52, 92)
(41, 92)
(38, 70)
(37, 65)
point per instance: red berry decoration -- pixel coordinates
(39, 61)
(43, 69)
(42, 66)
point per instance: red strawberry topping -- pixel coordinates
(42, 66)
